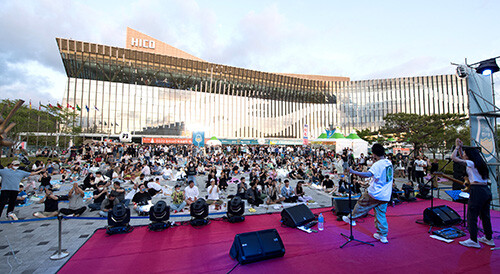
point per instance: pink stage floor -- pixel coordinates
(185, 249)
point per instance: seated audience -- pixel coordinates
(51, 205)
(76, 206)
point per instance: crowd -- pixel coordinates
(135, 174)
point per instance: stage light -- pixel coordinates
(118, 220)
(235, 210)
(159, 215)
(487, 67)
(461, 71)
(199, 213)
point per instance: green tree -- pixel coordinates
(424, 131)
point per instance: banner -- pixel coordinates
(481, 127)
(329, 133)
(199, 138)
(180, 141)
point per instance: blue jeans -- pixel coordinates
(178, 207)
(125, 202)
(367, 202)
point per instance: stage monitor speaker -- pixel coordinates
(296, 215)
(341, 205)
(441, 216)
(257, 246)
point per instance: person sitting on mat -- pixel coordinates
(108, 204)
(76, 206)
(301, 194)
(480, 195)
(253, 195)
(51, 205)
(377, 195)
(213, 195)
(288, 193)
(178, 198)
(142, 201)
(191, 193)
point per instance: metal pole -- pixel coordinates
(60, 254)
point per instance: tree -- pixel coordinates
(423, 131)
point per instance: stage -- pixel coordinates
(185, 249)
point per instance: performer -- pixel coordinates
(377, 195)
(480, 194)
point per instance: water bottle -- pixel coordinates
(321, 222)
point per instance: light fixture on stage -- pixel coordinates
(199, 213)
(462, 71)
(159, 215)
(118, 220)
(487, 67)
(235, 210)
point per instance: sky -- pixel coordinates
(358, 39)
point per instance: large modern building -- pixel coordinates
(152, 88)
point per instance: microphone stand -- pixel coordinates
(351, 238)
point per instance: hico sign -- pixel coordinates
(142, 43)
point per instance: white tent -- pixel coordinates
(357, 144)
(214, 142)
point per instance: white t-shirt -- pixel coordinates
(420, 164)
(191, 192)
(215, 193)
(473, 174)
(381, 185)
(154, 186)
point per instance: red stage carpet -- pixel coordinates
(185, 249)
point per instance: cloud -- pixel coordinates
(30, 80)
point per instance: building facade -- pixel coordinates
(151, 88)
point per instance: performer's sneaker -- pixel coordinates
(470, 243)
(12, 216)
(382, 239)
(346, 219)
(486, 241)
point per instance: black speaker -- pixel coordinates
(441, 216)
(341, 206)
(257, 246)
(296, 215)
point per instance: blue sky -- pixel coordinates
(359, 39)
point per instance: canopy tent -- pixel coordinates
(337, 135)
(352, 141)
(214, 142)
(353, 136)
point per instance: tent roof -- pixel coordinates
(337, 135)
(213, 138)
(353, 136)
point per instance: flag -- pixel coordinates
(87, 107)
(105, 124)
(59, 106)
(116, 124)
(78, 107)
(96, 108)
(30, 104)
(39, 105)
(51, 106)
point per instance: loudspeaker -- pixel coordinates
(441, 216)
(341, 206)
(257, 246)
(296, 215)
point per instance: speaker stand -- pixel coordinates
(351, 238)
